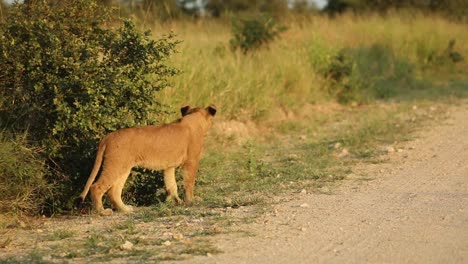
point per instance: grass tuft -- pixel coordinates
(23, 187)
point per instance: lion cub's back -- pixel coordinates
(153, 147)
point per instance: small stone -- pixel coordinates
(40, 230)
(217, 229)
(337, 145)
(303, 191)
(127, 245)
(304, 205)
(167, 234)
(415, 107)
(275, 212)
(399, 150)
(178, 236)
(209, 255)
(343, 153)
(167, 243)
(22, 224)
(389, 149)
(303, 229)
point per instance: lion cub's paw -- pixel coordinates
(174, 200)
(193, 201)
(106, 212)
(127, 209)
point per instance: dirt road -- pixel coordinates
(411, 209)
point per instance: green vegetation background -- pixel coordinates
(71, 71)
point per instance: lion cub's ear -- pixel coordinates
(211, 109)
(184, 110)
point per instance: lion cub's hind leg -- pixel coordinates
(97, 192)
(171, 185)
(112, 179)
(115, 193)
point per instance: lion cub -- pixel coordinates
(153, 147)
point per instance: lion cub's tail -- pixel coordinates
(97, 165)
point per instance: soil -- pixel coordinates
(412, 208)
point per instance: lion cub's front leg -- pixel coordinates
(189, 171)
(171, 185)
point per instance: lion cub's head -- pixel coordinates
(208, 113)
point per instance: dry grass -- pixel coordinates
(287, 73)
(304, 149)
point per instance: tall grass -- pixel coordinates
(390, 57)
(289, 72)
(23, 187)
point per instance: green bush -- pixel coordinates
(447, 57)
(452, 9)
(161, 10)
(367, 73)
(250, 34)
(144, 189)
(23, 187)
(344, 84)
(68, 78)
(278, 8)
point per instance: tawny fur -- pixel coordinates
(163, 147)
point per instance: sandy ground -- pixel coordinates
(413, 208)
